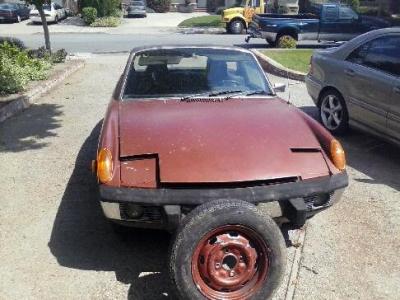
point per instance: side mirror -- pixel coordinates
(279, 87)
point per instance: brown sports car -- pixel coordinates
(193, 140)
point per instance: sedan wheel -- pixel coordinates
(333, 112)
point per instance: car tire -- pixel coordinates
(332, 108)
(210, 235)
(236, 27)
(281, 38)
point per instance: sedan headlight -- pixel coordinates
(337, 155)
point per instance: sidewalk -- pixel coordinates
(157, 21)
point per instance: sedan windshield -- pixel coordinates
(7, 6)
(137, 3)
(194, 72)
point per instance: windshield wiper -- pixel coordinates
(212, 94)
(259, 92)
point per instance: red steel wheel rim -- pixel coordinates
(230, 262)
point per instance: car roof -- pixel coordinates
(345, 49)
(200, 46)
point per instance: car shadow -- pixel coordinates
(29, 130)
(377, 159)
(82, 238)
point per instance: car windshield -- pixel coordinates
(187, 72)
(7, 6)
(46, 7)
(137, 3)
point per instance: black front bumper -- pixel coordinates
(162, 207)
(198, 196)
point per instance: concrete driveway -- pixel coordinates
(155, 21)
(55, 243)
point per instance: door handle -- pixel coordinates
(350, 72)
(396, 90)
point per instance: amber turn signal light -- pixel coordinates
(104, 165)
(338, 156)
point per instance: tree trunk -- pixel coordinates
(45, 27)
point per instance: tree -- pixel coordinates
(355, 4)
(39, 6)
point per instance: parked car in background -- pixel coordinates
(237, 18)
(14, 12)
(53, 12)
(137, 9)
(193, 139)
(358, 84)
(331, 22)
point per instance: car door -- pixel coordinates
(348, 24)
(328, 22)
(394, 68)
(369, 85)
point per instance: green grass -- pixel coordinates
(106, 22)
(203, 21)
(298, 60)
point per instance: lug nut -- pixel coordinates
(232, 273)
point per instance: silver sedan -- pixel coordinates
(358, 84)
(137, 9)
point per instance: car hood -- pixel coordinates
(230, 141)
(233, 10)
(35, 11)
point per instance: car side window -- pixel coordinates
(381, 54)
(346, 13)
(358, 55)
(330, 13)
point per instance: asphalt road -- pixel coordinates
(104, 42)
(55, 243)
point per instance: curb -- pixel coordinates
(20, 102)
(271, 66)
(294, 272)
(201, 30)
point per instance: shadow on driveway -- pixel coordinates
(371, 156)
(82, 238)
(28, 130)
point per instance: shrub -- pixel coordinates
(117, 14)
(287, 42)
(17, 68)
(89, 15)
(355, 4)
(106, 22)
(105, 8)
(373, 11)
(212, 5)
(160, 6)
(12, 77)
(13, 41)
(59, 56)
